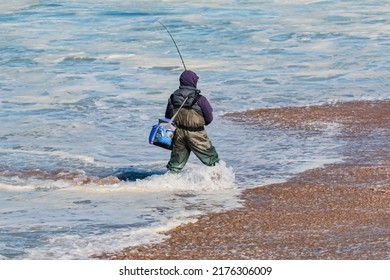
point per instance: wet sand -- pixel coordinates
(339, 211)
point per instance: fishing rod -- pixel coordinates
(185, 68)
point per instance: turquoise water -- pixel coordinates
(82, 82)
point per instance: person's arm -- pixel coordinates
(168, 109)
(207, 110)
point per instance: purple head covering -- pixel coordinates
(188, 78)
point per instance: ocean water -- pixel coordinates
(82, 82)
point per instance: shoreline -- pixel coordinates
(338, 211)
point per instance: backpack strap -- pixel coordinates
(196, 98)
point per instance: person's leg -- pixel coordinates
(202, 147)
(180, 152)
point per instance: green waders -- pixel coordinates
(186, 141)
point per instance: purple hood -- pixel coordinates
(189, 79)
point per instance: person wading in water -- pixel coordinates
(190, 135)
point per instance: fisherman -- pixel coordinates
(190, 121)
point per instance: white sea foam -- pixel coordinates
(179, 197)
(12, 6)
(15, 188)
(193, 178)
(61, 154)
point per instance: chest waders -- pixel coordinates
(191, 139)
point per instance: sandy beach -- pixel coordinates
(338, 211)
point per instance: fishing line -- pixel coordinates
(174, 43)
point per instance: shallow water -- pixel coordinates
(82, 83)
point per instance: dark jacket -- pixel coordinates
(196, 111)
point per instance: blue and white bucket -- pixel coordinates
(162, 133)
